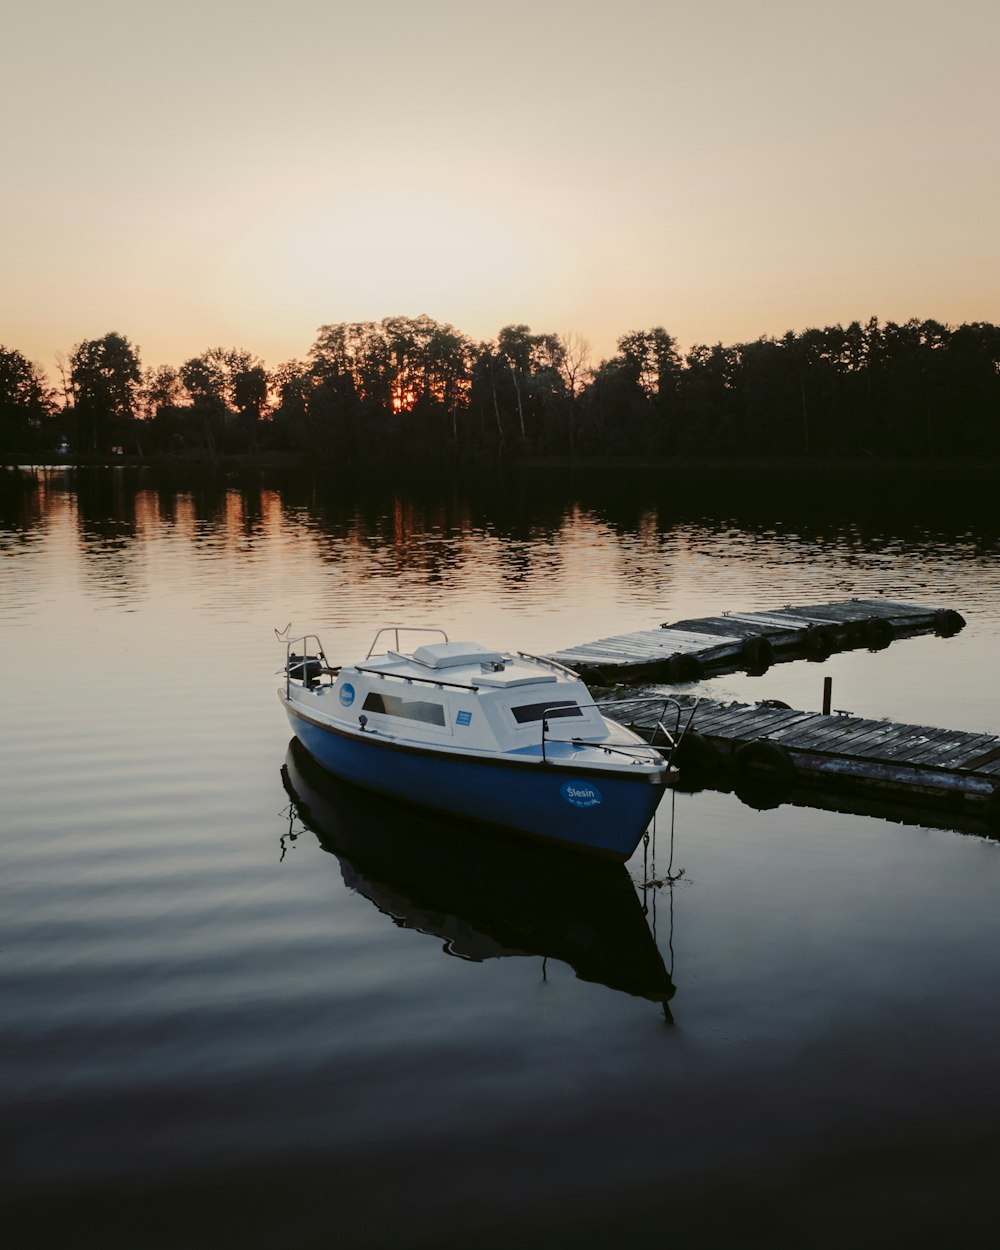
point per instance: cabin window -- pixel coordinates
(529, 712)
(410, 709)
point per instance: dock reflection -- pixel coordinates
(484, 895)
(928, 815)
(945, 811)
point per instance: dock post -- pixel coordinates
(827, 694)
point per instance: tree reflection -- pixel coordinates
(512, 535)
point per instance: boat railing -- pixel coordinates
(301, 662)
(396, 630)
(545, 662)
(409, 677)
(671, 738)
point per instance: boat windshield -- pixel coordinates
(530, 712)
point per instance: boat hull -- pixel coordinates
(587, 809)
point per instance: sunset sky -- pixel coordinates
(237, 172)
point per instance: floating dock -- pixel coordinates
(686, 651)
(771, 748)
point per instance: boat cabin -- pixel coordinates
(458, 693)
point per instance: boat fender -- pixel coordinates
(948, 622)
(757, 655)
(878, 633)
(819, 642)
(760, 760)
(697, 759)
(685, 668)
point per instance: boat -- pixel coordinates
(482, 895)
(503, 738)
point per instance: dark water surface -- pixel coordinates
(246, 1006)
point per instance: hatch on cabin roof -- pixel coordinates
(453, 654)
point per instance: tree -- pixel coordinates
(652, 364)
(159, 389)
(486, 368)
(204, 380)
(514, 349)
(228, 389)
(573, 357)
(104, 375)
(25, 403)
(710, 401)
(652, 360)
(162, 414)
(402, 383)
(249, 381)
(534, 368)
(354, 358)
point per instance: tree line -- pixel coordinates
(416, 391)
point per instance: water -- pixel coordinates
(243, 1006)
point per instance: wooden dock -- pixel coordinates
(686, 651)
(769, 747)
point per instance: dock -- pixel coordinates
(768, 749)
(686, 651)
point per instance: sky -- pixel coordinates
(236, 173)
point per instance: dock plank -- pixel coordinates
(989, 756)
(707, 627)
(883, 746)
(771, 723)
(949, 747)
(744, 718)
(821, 735)
(865, 733)
(765, 623)
(910, 747)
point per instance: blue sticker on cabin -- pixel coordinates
(463, 718)
(347, 694)
(580, 793)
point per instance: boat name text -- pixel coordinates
(580, 794)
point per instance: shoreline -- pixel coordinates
(300, 462)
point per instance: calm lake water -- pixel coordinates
(245, 1006)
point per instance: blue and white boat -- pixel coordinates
(509, 739)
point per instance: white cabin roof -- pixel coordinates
(472, 666)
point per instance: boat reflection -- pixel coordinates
(486, 896)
